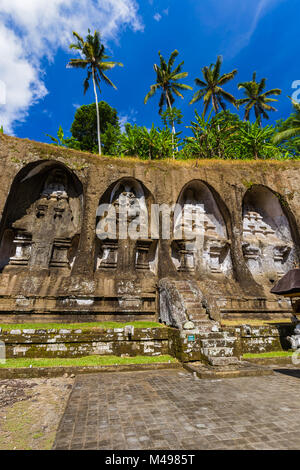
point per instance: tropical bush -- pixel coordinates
(148, 144)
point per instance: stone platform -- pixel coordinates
(240, 369)
(171, 409)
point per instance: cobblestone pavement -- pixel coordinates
(170, 409)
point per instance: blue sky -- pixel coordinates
(260, 35)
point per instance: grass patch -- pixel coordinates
(79, 326)
(17, 424)
(268, 354)
(85, 361)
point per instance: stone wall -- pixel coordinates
(53, 266)
(186, 346)
(261, 339)
(75, 343)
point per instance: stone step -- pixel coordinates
(218, 352)
(226, 367)
(182, 284)
(223, 361)
(197, 316)
(197, 311)
(219, 331)
(204, 326)
(197, 319)
(192, 301)
(217, 343)
(212, 335)
(192, 304)
(218, 335)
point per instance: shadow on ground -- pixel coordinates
(291, 372)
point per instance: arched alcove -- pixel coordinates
(268, 246)
(41, 222)
(198, 211)
(123, 228)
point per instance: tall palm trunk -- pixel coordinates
(216, 109)
(97, 112)
(173, 125)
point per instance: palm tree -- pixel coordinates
(94, 59)
(167, 81)
(211, 87)
(255, 98)
(293, 129)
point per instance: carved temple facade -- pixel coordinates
(55, 267)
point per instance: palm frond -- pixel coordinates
(78, 37)
(152, 91)
(109, 65)
(182, 86)
(78, 63)
(227, 96)
(172, 59)
(179, 76)
(286, 135)
(197, 96)
(177, 93)
(274, 91)
(217, 67)
(200, 83)
(262, 85)
(227, 77)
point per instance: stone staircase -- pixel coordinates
(217, 346)
(191, 300)
(184, 306)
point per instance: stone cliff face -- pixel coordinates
(54, 266)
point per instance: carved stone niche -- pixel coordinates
(252, 256)
(145, 255)
(43, 217)
(59, 257)
(129, 294)
(41, 210)
(126, 202)
(204, 246)
(23, 244)
(187, 255)
(265, 253)
(56, 186)
(215, 251)
(142, 254)
(124, 227)
(107, 254)
(280, 254)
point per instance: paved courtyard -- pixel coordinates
(170, 409)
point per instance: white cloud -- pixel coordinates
(261, 8)
(238, 19)
(33, 29)
(158, 16)
(128, 117)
